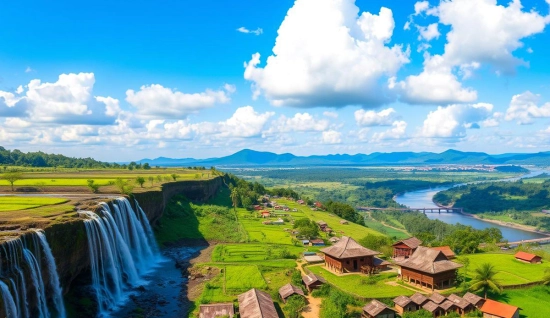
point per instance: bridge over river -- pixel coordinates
(424, 210)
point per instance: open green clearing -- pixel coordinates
(534, 302)
(242, 278)
(360, 285)
(510, 270)
(9, 203)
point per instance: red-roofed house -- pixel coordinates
(495, 309)
(446, 250)
(528, 258)
(265, 214)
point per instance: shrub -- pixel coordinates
(94, 187)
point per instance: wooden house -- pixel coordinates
(289, 290)
(322, 225)
(348, 256)
(434, 309)
(474, 299)
(312, 281)
(463, 307)
(448, 306)
(256, 304)
(437, 298)
(317, 242)
(429, 268)
(419, 300)
(446, 250)
(217, 310)
(405, 248)
(495, 309)
(377, 309)
(528, 258)
(404, 304)
(266, 214)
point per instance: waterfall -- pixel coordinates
(122, 249)
(22, 265)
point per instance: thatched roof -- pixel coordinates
(289, 290)
(437, 298)
(348, 248)
(447, 304)
(429, 261)
(402, 301)
(375, 307)
(217, 310)
(419, 299)
(411, 242)
(459, 301)
(472, 298)
(256, 304)
(312, 278)
(431, 306)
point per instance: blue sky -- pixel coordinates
(207, 78)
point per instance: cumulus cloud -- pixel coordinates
(397, 131)
(472, 22)
(330, 114)
(421, 6)
(299, 122)
(369, 118)
(157, 101)
(258, 31)
(331, 137)
(328, 55)
(452, 121)
(524, 108)
(429, 33)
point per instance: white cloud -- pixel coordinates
(331, 137)
(421, 6)
(523, 108)
(299, 122)
(19, 89)
(472, 23)
(112, 105)
(493, 121)
(258, 31)
(330, 114)
(428, 33)
(396, 132)
(371, 118)
(156, 101)
(452, 121)
(29, 69)
(244, 123)
(327, 55)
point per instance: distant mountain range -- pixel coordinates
(249, 157)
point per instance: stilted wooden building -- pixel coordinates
(405, 248)
(348, 256)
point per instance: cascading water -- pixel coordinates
(122, 249)
(21, 262)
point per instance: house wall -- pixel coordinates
(434, 281)
(402, 250)
(485, 315)
(387, 313)
(347, 265)
(410, 307)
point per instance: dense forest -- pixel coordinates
(498, 197)
(41, 159)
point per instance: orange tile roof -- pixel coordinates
(525, 256)
(446, 250)
(498, 309)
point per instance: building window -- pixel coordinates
(347, 262)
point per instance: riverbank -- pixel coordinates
(518, 226)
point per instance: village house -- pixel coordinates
(419, 300)
(256, 304)
(217, 310)
(266, 214)
(300, 202)
(495, 309)
(312, 281)
(404, 304)
(528, 258)
(428, 268)
(405, 248)
(318, 205)
(317, 242)
(474, 299)
(446, 250)
(322, 225)
(434, 309)
(377, 309)
(348, 256)
(288, 290)
(463, 307)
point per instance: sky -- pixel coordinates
(122, 81)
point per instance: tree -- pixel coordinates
(140, 181)
(234, 198)
(146, 166)
(12, 177)
(466, 262)
(151, 179)
(94, 187)
(295, 304)
(159, 178)
(174, 176)
(307, 228)
(123, 186)
(484, 279)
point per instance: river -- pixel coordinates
(424, 199)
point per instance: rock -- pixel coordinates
(141, 288)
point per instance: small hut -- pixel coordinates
(463, 307)
(312, 281)
(377, 309)
(434, 309)
(289, 290)
(474, 299)
(217, 310)
(495, 309)
(405, 248)
(256, 304)
(419, 300)
(528, 258)
(404, 304)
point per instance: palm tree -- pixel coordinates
(484, 279)
(234, 198)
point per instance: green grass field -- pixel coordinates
(242, 278)
(510, 270)
(9, 203)
(534, 302)
(363, 286)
